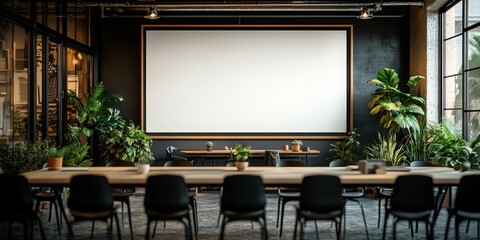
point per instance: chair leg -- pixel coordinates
(193, 203)
(468, 226)
(147, 234)
(127, 201)
(57, 218)
(278, 210)
(395, 229)
(363, 214)
(222, 229)
(155, 228)
(93, 226)
(119, 231)
(219, 218)
(187, 224)
(449, 217)
(316, 228)
(379, 211)
(282, 211)
(42, 232)
(457, 226)
(295, 228)
(384, 233)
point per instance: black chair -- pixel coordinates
(90, 200)
(17, 205)
(419, 163)
(191, 194)
(405, 207)
(286, 195)
(351, 193)
(320, 199)
(243, 198)
(466, 205)
(122, 194)
(170, 150)
(166, 198)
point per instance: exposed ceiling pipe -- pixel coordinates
(249, 6)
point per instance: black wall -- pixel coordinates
(378, 43)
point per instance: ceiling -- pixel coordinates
(228, 8)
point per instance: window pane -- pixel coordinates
(453, 92)
(473, 89)
(18, 6)
(473, 48)
(77, 23)
(473, 125)
(453, 56)
(455, 116)
(473, 12)
(453, 20)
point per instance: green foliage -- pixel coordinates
(388, 149)
(93, 115)
(239, 153)
(297, 142)
(465, 159)
(450, 142)
(396, 109)
(420, 146)
(76, 155)
(209, 144)
(54, 152)
(348, 149)
(128, 143)
(23, 157)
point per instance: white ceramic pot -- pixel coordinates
(241, 165)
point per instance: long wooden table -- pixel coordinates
(272, 176)
(201, 154)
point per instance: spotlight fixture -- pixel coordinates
(366, 13)
(152, 14)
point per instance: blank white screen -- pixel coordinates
(237, 81)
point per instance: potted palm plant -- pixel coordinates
(239, 154)
(55, 158)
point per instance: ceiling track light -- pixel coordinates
(366, 13)
(152, 14)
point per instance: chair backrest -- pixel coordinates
(169, 150)
(272, 157)
(412, 193)
(90, 193)
(120, 163)
(468, 194)
(321, 193)
(419, 163)
(178, 163)
(243, 193)
(166, 194)
(290, 163)
(340, 163)
(16, 198)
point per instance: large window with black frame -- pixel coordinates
(460, 39)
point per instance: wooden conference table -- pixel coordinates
(272, 176)
(201, 154)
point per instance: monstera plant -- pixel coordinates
(396, 109)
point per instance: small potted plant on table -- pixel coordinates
(296, 145)
(209, 145)
(239, 154)
(55, 158)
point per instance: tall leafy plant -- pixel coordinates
(22, 157)
(93, 114)
(396, 109)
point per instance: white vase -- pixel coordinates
(241, 165)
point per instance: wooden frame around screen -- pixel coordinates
(347, 28)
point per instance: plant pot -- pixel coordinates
(296, 148)
(209, 148)
(55, 163)
(241, 165)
